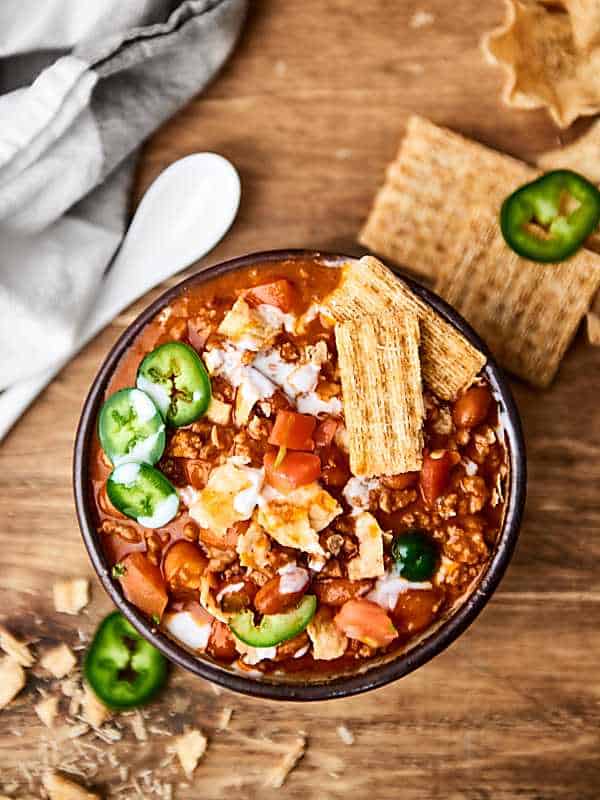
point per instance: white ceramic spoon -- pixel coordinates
(182, 216)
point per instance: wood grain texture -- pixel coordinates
(310, 109)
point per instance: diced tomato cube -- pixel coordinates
(143, 584)
(296, 469)
(293, 430)
(279, 293)
(435, 474)
(326, 431)
(367, 622)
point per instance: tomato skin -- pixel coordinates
(144, 585)
(183, 566)
(296, 469)
(326, 431)
(435, 474)
(293, 430)
(367, 622)
(279, 293)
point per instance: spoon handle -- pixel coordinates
(141, 263)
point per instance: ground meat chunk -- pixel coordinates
(465, 546)
(174, 469)
(259, 428)
(391, 500)
(289, 351)
(185, 444)
(477, 494)
(483, 440)
(126, 532)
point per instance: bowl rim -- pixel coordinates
(354, 683)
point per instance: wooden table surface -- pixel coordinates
(310, 109)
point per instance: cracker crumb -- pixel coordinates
(93, 710)
(343, 153)
(225, 719)
(190, 747)
(71, 595)
(17, 650)
(47, 710)
(59, 660)
(138, 727)
(345, 734)
(279, 774)
(421, 19)
(61, 788)
(12, 680)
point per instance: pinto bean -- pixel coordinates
(337, 591)
(435, 474)
(239, 597)
(271, 600)
(472, 407)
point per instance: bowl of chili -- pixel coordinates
(412, 553)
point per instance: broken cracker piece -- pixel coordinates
(225, 718)
(12, 680)
(190, 747)
(418, 213)
(279, 774)
(47, 710)
(94, 712)
(327, 640)
(449, 363)
(383, 399)
(61, 788)
(345, 734)
(59, 660)
(546, 57)
(14, 648)
(527, 312)
(369, 561)
(71, 595)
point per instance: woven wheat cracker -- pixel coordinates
(527, 312)
(449, 363)
(437, 178)
(381, 386)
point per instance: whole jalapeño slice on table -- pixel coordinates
(122, 668)
(174, 376)
(550, 218)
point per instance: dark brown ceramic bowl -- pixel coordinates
(373, 674)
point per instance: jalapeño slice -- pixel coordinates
(122, 668)
(416, 555)
(273, 628)
(175, 378)
(143, 493)
(550, 218)
(130, 428)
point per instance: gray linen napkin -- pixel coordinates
(83, 85)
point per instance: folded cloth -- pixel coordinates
(83, 85)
